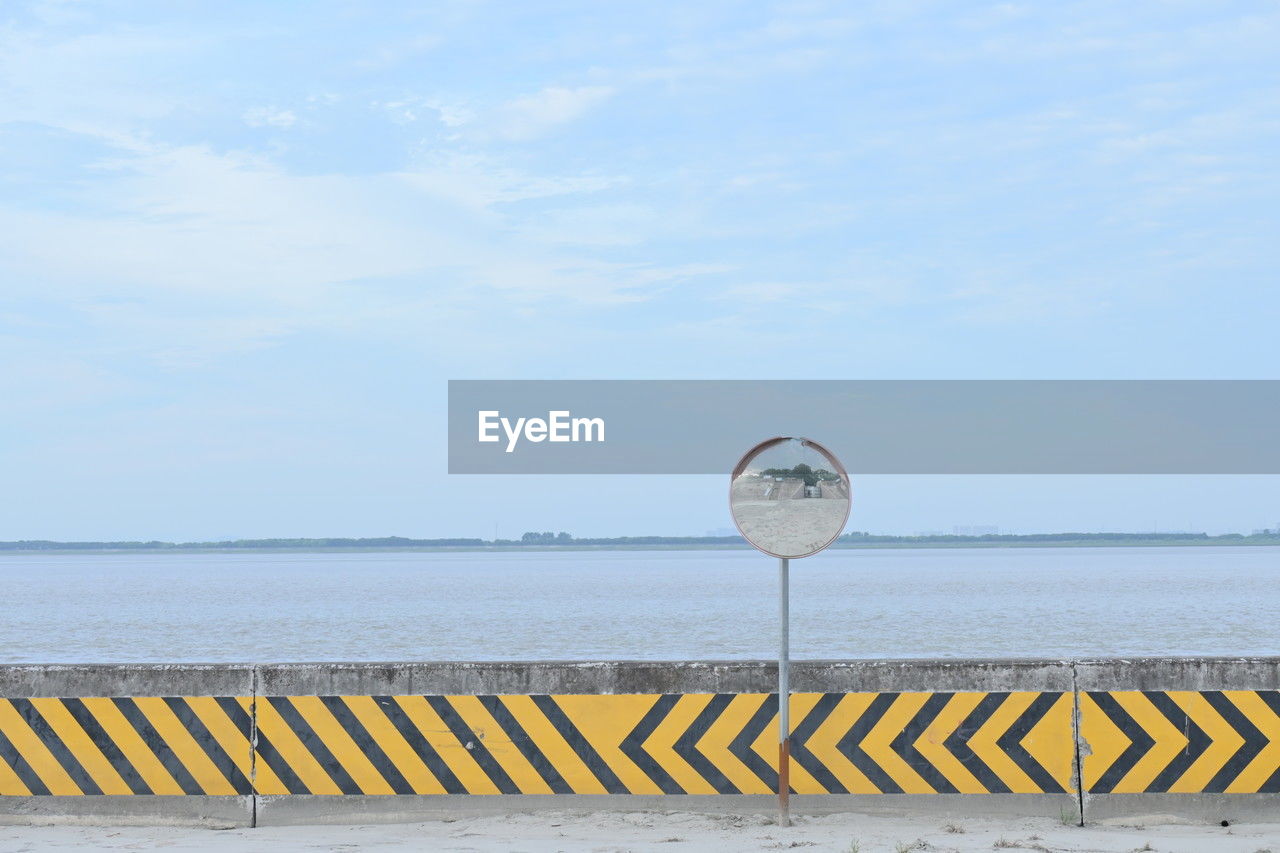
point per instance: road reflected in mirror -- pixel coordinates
(789, 497)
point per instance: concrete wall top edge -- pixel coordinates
(1179, 674)
(733, 676)
(660, 677)
(177, 679)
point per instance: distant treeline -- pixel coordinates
(1042, 537)
(564, 540)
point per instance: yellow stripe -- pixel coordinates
(604, 722)
(715, 743)
(34, 752)
(766, 743)
(291, 750)
(824, 743)
(983, 743)
(931, 743)
(499, 745)
(661, 744)
(1259, 770)
(132, 746)
(1223, 741)
(1051, 742)
(454, 754)
(234, 742)
(81, 746)
(1168, 741)
(877, 743)
(264, 779)
(10, 784)
(571, 768)
(800, 706)
(331, 733)
(184, 746)
(388, 737)
(1101, 741)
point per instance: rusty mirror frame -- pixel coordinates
(836, 465)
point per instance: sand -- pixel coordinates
(791, 527)
(611, 832)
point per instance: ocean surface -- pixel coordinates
(918, 603)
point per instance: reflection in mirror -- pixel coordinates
(789, 497)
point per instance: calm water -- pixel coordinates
(638, 604)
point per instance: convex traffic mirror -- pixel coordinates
(789, 497)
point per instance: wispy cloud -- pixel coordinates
(270, 117)
(531, 116)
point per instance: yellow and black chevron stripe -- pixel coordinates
(173, 745)
(538, 744)
(862, 743)
(1213, 741)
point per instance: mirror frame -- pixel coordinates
(807, 442)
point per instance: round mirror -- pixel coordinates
(789, 497)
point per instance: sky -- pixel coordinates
(243, 246)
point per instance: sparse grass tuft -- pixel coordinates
(918, 844)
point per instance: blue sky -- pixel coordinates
(244, 245)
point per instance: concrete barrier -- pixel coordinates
(267, 744)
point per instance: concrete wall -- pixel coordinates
(312, 743)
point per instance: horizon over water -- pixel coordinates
(641, 605)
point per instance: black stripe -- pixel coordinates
(1272, 700)
(159, 748)
(741, 745)
(9, 755)
(851, 744)
(1254, 742)
(800, 744)
(262, 747)
(905, 744)
(379, 759)
(520, 738)
(238, 716)
(420, 745)
(209, 744)
(473, 743)
(54, 744)
(632, 745)
(579, 744)
(110, 750)
(958, 743)
(1197, 741)
(1140, 742)
(314, 745)
(686, 746)
(1011, 743)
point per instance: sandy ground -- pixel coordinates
(666, 832)
(791, 527)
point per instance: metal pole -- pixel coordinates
(784, 695)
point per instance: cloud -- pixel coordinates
(270, 117)
(185, 254)
(535, 115)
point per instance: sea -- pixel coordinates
(637, 605)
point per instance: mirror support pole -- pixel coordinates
(784, 695)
